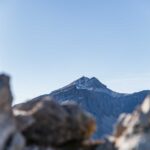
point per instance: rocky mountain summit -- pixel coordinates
(103, 103)
(43, 123)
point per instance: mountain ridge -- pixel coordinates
(105, 104)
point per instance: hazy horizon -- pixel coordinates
(46, 45)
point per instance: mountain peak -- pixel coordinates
(89, 83)
(94, 81)
(106, 105)
(83, 80)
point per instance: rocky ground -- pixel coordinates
(44, 124)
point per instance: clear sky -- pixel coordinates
(45, 44)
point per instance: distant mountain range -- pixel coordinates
(105, 104)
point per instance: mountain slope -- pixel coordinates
(105, 104)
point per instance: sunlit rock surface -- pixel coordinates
(133, 130)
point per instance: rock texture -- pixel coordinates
(133, 130)
(58, 124)
(45, 124)
(10, 138)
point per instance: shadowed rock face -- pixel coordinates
(5, 94)
(57, 124)
(10, 138)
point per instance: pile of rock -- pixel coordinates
(43, 124)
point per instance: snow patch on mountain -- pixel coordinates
(96, 98)
(94, 85)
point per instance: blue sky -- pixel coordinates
(45, 44)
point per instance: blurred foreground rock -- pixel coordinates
(44, 124)
(133, 130)
(10, 138)
(52, 124)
